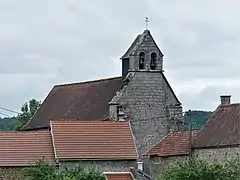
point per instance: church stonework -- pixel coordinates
(145, 96)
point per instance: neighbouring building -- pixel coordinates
(170, 150)
(219, 139)
(142, 95)
(106, 145)
(21, 149)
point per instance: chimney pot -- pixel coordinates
(225, 99)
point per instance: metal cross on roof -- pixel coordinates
(147, 21)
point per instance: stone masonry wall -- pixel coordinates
(159, 165)
(147, 46)
(104, 166)
(216, 154)
(145, 98)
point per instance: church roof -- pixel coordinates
(93, 140)
(22, 148)
(137, 42)
(77, 101)
(174, 144)
(222, 128)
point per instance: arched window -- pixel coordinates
(153, 61)
(141, 60)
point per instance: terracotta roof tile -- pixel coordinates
(22, 148)
(175, 143)
(93, 140)
(222, 128)
(119, 176)
(77, 101)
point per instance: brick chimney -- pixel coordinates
(225, 99)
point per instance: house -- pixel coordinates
(173, 148)
(21, 149)
(142, 95)
(219, 139)
(106, 145)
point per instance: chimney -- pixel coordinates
(140, 165)
(225, 99)
(120, 113)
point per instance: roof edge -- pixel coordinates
(88, 81)
(53, 142)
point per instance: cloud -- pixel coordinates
(51, 42)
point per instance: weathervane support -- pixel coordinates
(146, 21)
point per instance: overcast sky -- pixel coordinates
(49, 42)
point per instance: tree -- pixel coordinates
(27, 111)
(201, 170)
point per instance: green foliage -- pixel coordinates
(41, 170)
(201, 170)
(8, 124)
(28, 109)
(199, 118)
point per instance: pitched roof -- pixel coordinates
(119, 176)
(23, 148)
(174, 144)
(77, 101)
(222, 128)
(93, 140)
(137, 42)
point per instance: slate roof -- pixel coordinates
(119, 176)
(93, 140)
(137, 42)
(222, 128)
(77, 101)
(22, 148)
(174, 144)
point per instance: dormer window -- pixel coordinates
(141, 60)
(153, 61)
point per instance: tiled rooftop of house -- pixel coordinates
(22, 148)
(222, 128)
(93, 140)
(174, 144)
(119, 176)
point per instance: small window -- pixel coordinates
(153, 61)
(141, 60)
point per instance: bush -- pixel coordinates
(41, 170)
(201, 170)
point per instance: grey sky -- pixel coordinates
(49, 42)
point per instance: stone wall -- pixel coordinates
(159, 165)
(148, 103)
(104, 166)
(216, 154)
(10, 173)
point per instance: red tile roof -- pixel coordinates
(222, 128)
(22, 148)
(77, 101)
(119, 176)
(174, 144)
(93, 140)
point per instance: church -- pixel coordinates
(142, 96)
(108, 123)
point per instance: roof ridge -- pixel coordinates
(88, 81)
(23, 132)
(88, 121)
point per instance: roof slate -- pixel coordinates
(119, 176)
(222, 128)
(22, 148)
(174, 144)
(77, 101)
(93, 140)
